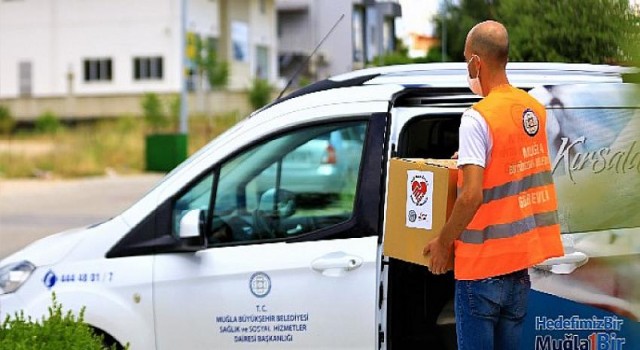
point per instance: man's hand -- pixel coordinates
(441, 255)
(440, 249)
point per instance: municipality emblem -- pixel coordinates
(530, 122)
(260, 284)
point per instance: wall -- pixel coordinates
(295, 31)
(261, 30)
(106, 106)
(57, 35)
(338, 48)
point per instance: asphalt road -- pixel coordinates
(32, 209)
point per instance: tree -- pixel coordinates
(459, 19)
(203, 54)
(217, 71)
(259, 93)
(590, 31)
(401, 56)
(7, 123)
(207, 64)
(153, 112)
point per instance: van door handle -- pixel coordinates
(565, 264)
(336, 264)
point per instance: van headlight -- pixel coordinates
(14, 275)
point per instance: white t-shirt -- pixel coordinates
(475, 140)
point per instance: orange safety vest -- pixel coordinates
(517, 224)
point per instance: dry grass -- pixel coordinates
(94, 149)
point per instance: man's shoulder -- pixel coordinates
(473, 119)
(471, 112)
(514, 95)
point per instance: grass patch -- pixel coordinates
(94, 148)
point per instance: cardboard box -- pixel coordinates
(419, 200)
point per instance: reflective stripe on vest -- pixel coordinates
(511, 229)
(518, 186)
(506, 254)
(516, 226)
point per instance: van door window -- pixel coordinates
(432, 137)
(294, 184)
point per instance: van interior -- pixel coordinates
(419, 303)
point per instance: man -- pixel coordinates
(505, 218)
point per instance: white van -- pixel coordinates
(239, 248)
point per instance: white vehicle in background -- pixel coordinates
(228, 253)
(320, 167)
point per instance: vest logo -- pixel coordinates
(530, 122)
(419, 188)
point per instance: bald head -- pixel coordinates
(490, 41)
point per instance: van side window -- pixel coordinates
(288, 186)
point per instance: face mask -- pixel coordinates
(474, 83)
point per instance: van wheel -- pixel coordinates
(108, 342)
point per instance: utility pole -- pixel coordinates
(184, 111)
(445, 10)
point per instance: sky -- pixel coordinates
(417, 17)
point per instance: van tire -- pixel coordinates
(108, 341)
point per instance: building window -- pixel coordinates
(263, 6)
(388, 29)
(24, 78)
(212, 43)
(357, 28)
(98, 69)
(147, 68)
(262, 62)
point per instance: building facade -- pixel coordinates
(61, 48)
(366, 31)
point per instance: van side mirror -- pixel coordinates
(192, 224)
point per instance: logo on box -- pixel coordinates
(419, 199)
(419, 187)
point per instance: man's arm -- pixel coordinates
(465, 207)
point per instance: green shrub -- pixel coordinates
(48, 123)
(56, 331)
(259, 93)
(6, 121)
(174, 110)
(153, 112)
(218, 74)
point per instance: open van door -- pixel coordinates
(590, 298)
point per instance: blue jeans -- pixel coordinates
(490, 312)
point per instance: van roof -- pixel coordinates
(452, 76)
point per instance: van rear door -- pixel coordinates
(588, 299)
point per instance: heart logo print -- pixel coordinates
(419, 190)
